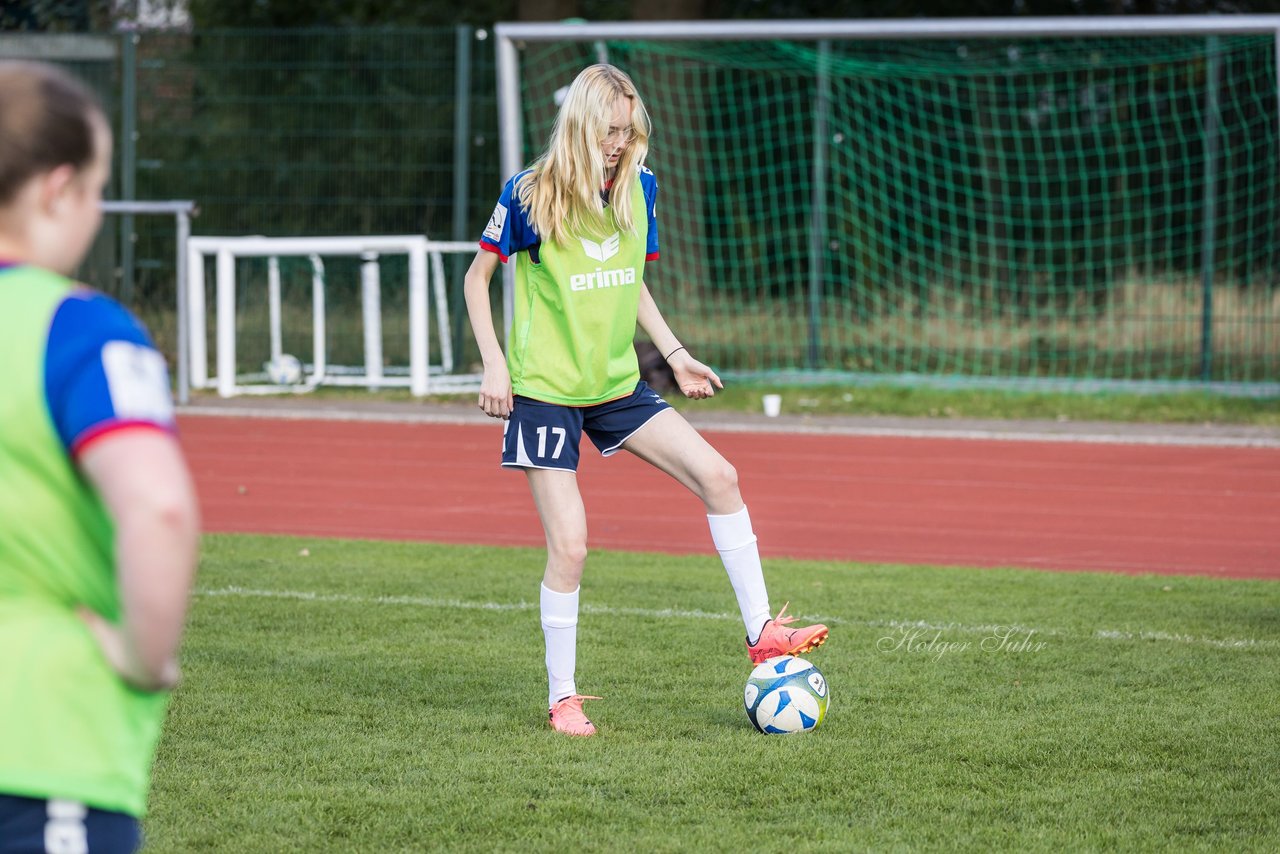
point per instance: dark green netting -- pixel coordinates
(1033, 208)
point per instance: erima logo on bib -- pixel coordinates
(605, 249)
(602, 278)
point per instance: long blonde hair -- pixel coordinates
(561, 191)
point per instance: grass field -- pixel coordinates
(391, 697)
(1187, 408)
(942, 404)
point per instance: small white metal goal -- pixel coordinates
(419, 376)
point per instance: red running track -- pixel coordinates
(948, 502)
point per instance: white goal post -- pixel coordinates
(420, 253)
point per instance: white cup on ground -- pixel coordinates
(772, 405)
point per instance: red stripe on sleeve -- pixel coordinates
(495, 250)
(652, 256)
(108, 428)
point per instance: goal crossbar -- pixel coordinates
(814, 30)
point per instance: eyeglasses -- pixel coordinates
(625, 134)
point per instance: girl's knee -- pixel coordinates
(570, 556)
(720, 483)
(727, 477)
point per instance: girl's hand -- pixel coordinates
(118, 652)
(695, 379)
(495, 391)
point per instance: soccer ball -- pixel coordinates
(286, 370)
(786, 694)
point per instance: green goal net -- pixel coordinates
(1101, 209)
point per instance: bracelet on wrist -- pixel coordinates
(672, 353)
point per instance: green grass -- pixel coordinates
(1140, 328)
(345, 700)
(1185, 408)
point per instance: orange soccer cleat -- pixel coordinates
(776, 639)
(567, 716)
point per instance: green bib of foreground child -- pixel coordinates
(575, 315)
(54, 680)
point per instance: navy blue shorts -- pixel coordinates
(33, 826)
(546, 435)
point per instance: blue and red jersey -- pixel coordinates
(102, 373)
(510, 230)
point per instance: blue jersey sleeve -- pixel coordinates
(509, 230)
(649, 182)
(102, 372)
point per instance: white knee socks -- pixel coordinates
(560, 629)
(736, 543)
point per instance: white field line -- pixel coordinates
(678, 613)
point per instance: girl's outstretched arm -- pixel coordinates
(695, 379)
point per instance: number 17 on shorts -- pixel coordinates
(542, 436)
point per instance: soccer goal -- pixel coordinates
(258, 331)
(1057, 202)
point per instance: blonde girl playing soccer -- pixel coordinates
(580, 224)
